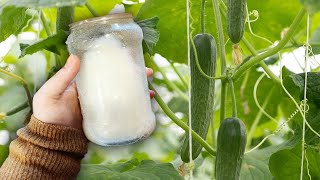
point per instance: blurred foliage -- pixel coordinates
(42, 3)
(130, 170)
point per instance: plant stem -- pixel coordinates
(219, 26)
(17, 109)
(213, 132)
(286, 47)
(257, 119)
(23, 82)
(170, 83)
(234, 101)
(184, 82)
(180, 123)
(45, 24)
(267, 70)
(261, 63)
(273, 50)
(64, 18)
(202, 17)
(222, 54)
(223, 100)
(92, 11)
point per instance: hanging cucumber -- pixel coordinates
(230, 149)
(236, 19)
(202, 91)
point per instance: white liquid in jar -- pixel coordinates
(114, 100)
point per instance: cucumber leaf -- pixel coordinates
(172, 24)
(255, 164)
(53, 44)
(101, 8)
(12, 21)
(130, 170)
(295, 85)
(286, 164)
(313, 86)
(150, 33)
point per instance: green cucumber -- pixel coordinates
(202, 91)
(230, 149)
(236, 18)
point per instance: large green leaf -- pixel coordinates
(172, 25)
(42, 3)
(54, 43)
(150, 33)
(100, 7)
(12, 20)
(255, 164)
(313, 86)
(274, 16)
(286, 164)
(295, 85)
(130, 170)
(253, 168)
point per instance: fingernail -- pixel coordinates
(152, 94)
(150, 70)
(69, 61)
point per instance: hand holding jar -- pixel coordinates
(57, 100)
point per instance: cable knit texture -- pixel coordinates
(45, 151)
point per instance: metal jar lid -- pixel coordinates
(102, 19)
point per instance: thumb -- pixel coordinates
(61, 80)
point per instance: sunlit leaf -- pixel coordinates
(274, 16)
(12, 20)
(100, 7)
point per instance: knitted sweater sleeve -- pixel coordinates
(45, 151)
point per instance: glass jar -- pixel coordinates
(112, 83)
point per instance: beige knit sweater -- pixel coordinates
(44, 151)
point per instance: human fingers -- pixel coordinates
(152, 94)
(149, 71)
(61, 80)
